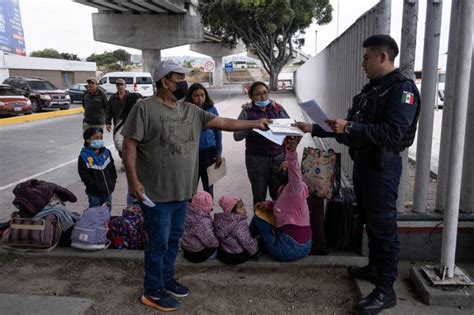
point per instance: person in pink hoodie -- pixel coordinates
(199, 242)
(236, 245)
(290, 239)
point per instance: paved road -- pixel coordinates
(36, 147)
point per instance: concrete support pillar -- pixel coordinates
(218, 74)
(428, 95)
(446, 123)
(384, 13)
(407, 65)
(150, 58)
(463, 74)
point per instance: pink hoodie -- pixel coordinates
(291, 206)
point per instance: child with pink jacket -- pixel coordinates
(290, 239)
(236, 245)
(199, 242)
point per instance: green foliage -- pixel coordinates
(69, 56)
(270, 28)
(108, 57)
(188, 64)
(47, 53)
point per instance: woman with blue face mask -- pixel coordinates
(263, 157)
(96, 168)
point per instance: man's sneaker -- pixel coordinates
(377, 301)
(162, 301)
(174, 288)
(365, 273)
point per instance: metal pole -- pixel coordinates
(444, 146)
(428, 93)
(467, 185)
(463, 67)
(315, 42)
(407, 64)
(383, 16)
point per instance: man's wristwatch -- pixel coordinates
(348, 127)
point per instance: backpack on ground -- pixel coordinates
(29, 234)
(90, 231)
(126, 231)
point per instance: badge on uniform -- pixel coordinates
(408, 98)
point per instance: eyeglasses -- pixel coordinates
(291, 137)
(260, 94)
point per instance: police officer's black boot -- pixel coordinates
(367, 273)
(382, 297)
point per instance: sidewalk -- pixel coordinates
(236, 183)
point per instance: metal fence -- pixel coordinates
(335, 75)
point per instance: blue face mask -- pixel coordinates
(97, 144)
(262, 103)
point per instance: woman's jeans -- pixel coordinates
(278, 244)
(164, 225)
(99, 200)
(262, 172)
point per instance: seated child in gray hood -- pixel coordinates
(199, 242)
(236, 245)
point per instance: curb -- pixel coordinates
(40, 116)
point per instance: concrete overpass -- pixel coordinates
(153, 25)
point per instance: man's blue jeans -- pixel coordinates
(164, 225)
(278, 244)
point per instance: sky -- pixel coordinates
(67, 27)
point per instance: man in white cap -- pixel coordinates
(161, 137)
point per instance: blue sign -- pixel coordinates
(229, 67)
(11, 30)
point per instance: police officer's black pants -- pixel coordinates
(376, 192)
(262, 172)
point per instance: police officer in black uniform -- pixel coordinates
(380, 124)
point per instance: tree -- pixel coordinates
(47, 53)
(272, 28)
(53, 53)
(69, 56)
(122, 55)
(108, 57)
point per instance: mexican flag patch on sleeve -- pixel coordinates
(408, 98)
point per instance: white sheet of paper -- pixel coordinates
(283, 126)
(319, 117)
(277, 138)
(147, 201)
(215, 174)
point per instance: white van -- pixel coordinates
(139, 82)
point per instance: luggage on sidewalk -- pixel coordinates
(90, 231)
(126, 231)
(316, 218)
(343, 224)
(29, 234)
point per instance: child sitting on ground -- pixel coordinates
(236, 245)
(199, 242)
(96, 168)
(286, 237)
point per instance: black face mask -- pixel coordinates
(181, 89)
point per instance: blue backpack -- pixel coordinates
(127, 231)
(90, 231)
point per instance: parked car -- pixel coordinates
(42, 93)
(12, 103)
(77, 91)
(139, 82)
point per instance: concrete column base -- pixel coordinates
(432, 295)
(150, 58)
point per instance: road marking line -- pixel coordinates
(37, 174)
(40, 173)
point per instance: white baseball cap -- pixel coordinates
(167, 66)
